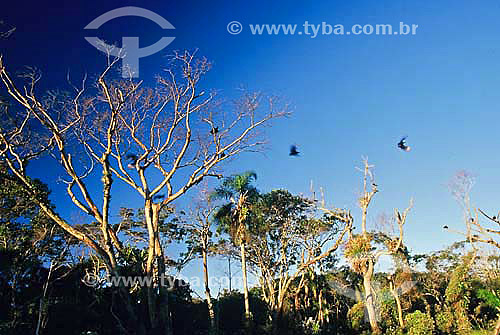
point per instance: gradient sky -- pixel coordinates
(352, 96)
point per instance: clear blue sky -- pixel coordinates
(353, 96)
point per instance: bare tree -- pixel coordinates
(360, 252)
(5, 30)
(199, 240)
(159, 141)
(481, 227)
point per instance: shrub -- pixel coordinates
(356, 315)
(445, 321)
(418, 323)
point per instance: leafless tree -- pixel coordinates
(159, 141)
(5, 30)
(481, 228)
(199, 226)
(359, 250)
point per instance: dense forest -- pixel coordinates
(318, 269)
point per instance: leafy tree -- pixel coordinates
(28, 240)
(236, 218)
(291, 240)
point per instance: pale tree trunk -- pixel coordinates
(211, 313)
(157, 302)
(370, 299)
(497, 326)
(277, 320)
(248, 315)
(368, 272)
(230, 274)
(42, 309)
(148, 212)
(400, 312)
(398, 303)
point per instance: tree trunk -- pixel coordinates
(135, 325)
(277, 321)
(148, 213)
(398, 304)
(248, 315)
(157, 299)
(230, 274)
(400, 312)
(370, 299)
(211, 313)
(42, 310)
(497, 326)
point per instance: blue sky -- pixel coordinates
(352, 96)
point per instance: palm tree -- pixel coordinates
(234, 218)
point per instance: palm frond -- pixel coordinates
(221, 193)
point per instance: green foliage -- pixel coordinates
(445, 320)
(28, 239)
(276, 224)
(388, 311)
(236, 184)
(356, 315)
(418, 323)
(235, 217)
(453, 316)
(489, 297)
(230, 312)
(458, 295)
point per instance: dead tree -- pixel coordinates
(199, 227)
(158, 141)
(360, 252)
(481, 228)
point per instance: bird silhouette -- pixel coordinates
(403, 146)
(293, 150)
(445, 227)
(159, 197)
(214, 130)
(133, 159)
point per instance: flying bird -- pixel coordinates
(293, 150)
(402, 144)
(445, 227)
